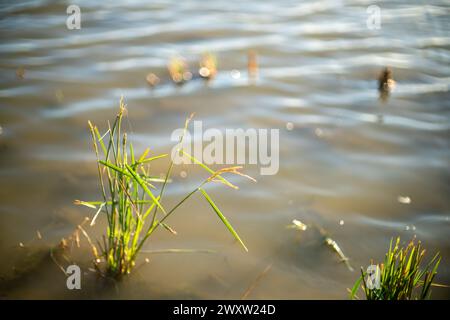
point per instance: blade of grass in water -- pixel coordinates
(169, 170)
(222, 217)
(208, 169)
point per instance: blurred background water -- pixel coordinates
(347, 161)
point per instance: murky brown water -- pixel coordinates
(318, 69)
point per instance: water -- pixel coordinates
(346, 156)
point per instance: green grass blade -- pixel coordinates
(355, 288)
(115, 168)
(91, 204)
(222, 217)
(144, 187)
(152, 158)
(100, 140)
(205, 167)
(144, 154)
(132, 153)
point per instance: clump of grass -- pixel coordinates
(132, 203)
(402, 276)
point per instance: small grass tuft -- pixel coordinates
(402, 276)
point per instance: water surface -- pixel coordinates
(344, 164)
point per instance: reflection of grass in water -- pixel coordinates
(401, 275)
(132, 208)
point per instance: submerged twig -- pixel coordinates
(256, 281)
